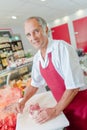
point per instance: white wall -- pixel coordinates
(66, 19)
(69, 19)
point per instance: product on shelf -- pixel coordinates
(10, 50)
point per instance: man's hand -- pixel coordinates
(45, 114)
(19, 107)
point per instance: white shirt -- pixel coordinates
(65, 61)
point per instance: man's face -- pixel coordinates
(35, 33)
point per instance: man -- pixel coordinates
(56, 64)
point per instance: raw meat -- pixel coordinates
(33, 110)
(8, 97)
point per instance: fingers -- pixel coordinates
(42, 116)
(19, 108)
(42, 120)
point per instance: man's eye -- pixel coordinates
(36, 30)
(28, 35)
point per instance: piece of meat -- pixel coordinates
(8, 97)
(34, 109)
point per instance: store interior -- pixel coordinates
(65, 21)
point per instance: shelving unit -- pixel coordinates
(5, 49)
(17, 49)
(10, 51)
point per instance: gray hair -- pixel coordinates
(40, 20)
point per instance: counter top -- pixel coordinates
(45, 99)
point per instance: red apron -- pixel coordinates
(76, 112)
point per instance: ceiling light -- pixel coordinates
(66, 18)
(14, 17)
(43, 0)
(57, 21)
(79, 12)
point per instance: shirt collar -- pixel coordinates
(49, 48)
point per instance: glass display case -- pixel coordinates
(22, 72)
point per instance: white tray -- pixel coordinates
(25, 122)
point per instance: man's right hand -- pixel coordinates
(20, 106)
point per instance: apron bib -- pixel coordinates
(76, 112)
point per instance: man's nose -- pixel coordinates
(33, 36)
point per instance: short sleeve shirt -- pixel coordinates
(65, 61)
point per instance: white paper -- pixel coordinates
(25, 122)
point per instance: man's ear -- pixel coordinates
(46, 30)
